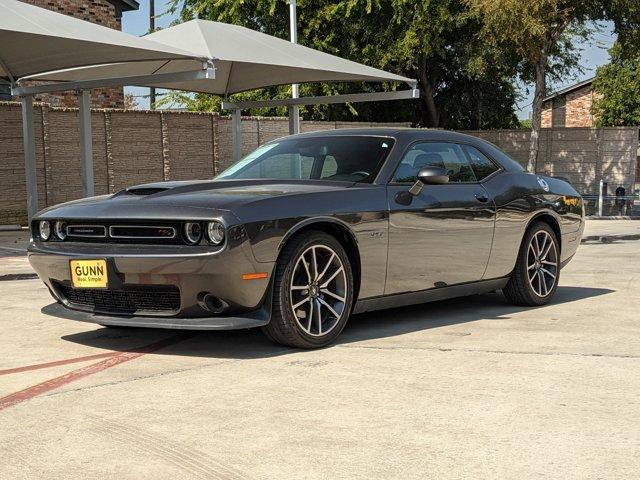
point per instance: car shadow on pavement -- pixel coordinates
(247, 344)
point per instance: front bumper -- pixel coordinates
(256, 318)
(193, 271)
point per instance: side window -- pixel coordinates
(482, 166)
(329, 167)
(431, 154)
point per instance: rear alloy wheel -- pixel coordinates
(312, 292)
(535, 277)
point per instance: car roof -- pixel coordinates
(409, 135)
(397, 132)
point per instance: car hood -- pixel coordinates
(186, 199)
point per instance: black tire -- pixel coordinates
(285, 327)
(519, 290)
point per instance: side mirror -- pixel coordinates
(429, 176)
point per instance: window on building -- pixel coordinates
(559, 112)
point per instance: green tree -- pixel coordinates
(617, 88)
(541, 33)
(464, 81)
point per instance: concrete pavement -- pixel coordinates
(467, 388)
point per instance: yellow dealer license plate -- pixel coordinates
(89, 273)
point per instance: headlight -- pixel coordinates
(192, 232)
(215, 232)
(60, 229)
(44, 229)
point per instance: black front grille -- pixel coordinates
(124, 232)
(132, 299)
(141, 231)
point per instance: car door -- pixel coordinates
(443, 235)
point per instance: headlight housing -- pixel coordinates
(192, 232)
(215, 233)
(60, 229)
(44, 230)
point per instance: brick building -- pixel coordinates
(570, 107)
(101, 12)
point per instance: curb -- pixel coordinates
(609, 238)
(623, 217)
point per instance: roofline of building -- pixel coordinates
(569, 89)
(130, 5)
(126, 5)
(121, 6)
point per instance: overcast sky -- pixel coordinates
(593, 54)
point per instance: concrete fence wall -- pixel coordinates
(129, 147)
(582, 155)
(132, 147)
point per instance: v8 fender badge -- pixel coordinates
(543, 183)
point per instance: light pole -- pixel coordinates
(294, 111)
(152, 27)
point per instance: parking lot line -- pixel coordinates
(57, 363)
(12, 249)
(113, 360)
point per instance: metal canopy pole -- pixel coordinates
(236, 133)
(294, 110)
(29, 140)
(86, 142)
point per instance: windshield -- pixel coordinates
(333, 158)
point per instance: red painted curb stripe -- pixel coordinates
(79, 373)
(57, 363)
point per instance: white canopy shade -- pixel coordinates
(35, 40)
(36, 44)
(244, 60)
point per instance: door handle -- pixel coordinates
(481, 197)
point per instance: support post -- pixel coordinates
(294, 110)
(86, 143)
(29, 141)
(236, 133)
(600, 200)
(294, 119)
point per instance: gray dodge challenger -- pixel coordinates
(307, 230)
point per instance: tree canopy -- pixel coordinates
(465, 81)
(617, 89)
(541, 34)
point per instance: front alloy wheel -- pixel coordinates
(313, 288)
(318, 290)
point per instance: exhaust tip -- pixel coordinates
(211, 303)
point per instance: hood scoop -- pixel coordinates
(142, 191)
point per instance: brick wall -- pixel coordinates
(546, 115)
(574, 108)
(131, 147)
(103, 13)
(578, 108)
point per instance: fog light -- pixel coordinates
(60, 228)
(192, 232)
(215, 233)
(44, 229)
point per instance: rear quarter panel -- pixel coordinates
(520, 198)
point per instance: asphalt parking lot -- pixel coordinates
(467, 388)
